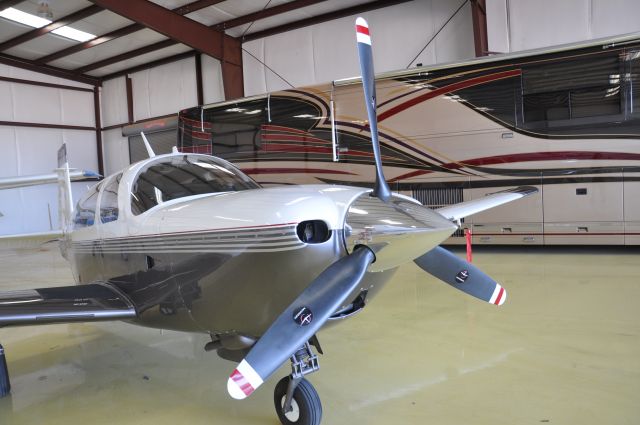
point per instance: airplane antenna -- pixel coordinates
(147, 145)
(365, 55)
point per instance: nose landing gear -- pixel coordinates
(295, 399)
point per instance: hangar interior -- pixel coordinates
(563, 349)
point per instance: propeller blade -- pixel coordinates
(299, 322)
(462, 275)
(365, 54)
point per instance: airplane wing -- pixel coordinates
(464, 209)
(81, 303)
(38, 179)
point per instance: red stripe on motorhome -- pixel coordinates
(543, 156)
(447, 89)
(292, 138)
(294, 171)
(269, 127)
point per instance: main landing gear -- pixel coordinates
(295, 399)
(5, 385)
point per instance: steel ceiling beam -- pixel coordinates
(265, 13)
(62, 22)
(262, 14)
(121, 32)
(170, 24)
(353, 10)
(189, 32)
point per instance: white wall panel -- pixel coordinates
(497, 26)
(293, 53)
(36, 104)
(34, 151)
(164, 90)
(116, 150)
(516, 25)
(543, 23)
(212, 87)
(455, 42)
(113, 101)
(77, 108)
(614, 17)
(327, 51)
(6, 105)
(254, 72)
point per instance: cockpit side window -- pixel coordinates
(86, 209)
(187, 175)
(109, 200)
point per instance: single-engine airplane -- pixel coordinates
(188, 242)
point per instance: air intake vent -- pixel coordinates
(439, 197)
(313, 231)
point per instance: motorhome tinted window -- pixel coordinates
(573, 93)
(177, 177)
(109, 201)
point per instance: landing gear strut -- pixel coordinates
(295, 399)
(5, 384)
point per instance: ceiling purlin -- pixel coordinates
(265, 13)
(121, 32)
(127, 55)
(62, 22)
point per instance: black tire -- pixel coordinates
(305, 399)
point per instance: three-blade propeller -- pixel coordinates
(327, 292)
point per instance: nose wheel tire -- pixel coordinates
(306, 406)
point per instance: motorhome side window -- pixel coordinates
(109, 200)
(585, 92)
(177, 177)
(86, 209)
(237, 128)
(223, 131)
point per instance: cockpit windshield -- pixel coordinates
(176, 177)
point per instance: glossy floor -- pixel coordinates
(564, 349)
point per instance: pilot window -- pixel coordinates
(178, 177)
(86, 209)
(109, 200)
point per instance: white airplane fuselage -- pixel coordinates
(228, 263)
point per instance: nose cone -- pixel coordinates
(398, 231)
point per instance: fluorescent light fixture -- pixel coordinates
(24, 18)
(38, 22)
(73, 34)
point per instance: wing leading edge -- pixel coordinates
(82, 303)
(464, 209)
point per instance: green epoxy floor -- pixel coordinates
(564, 349)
